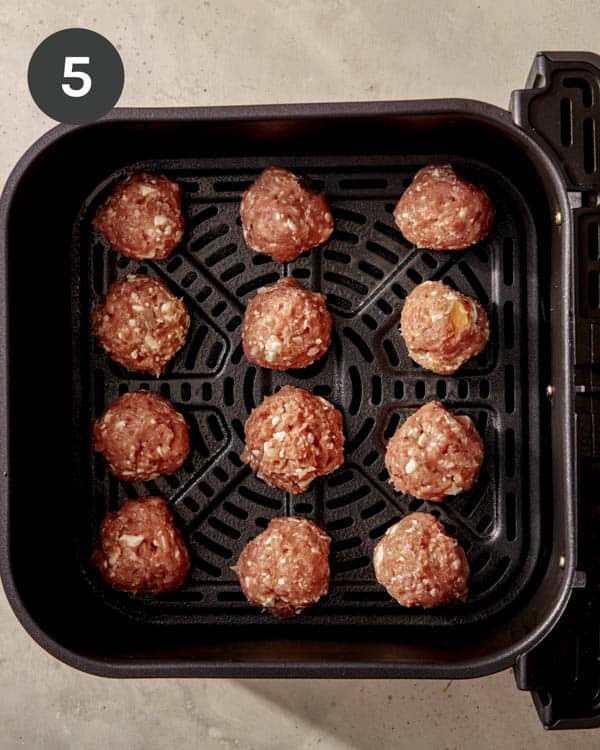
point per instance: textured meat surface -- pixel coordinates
(142, 218)
(141, 324)
(286, 326)
(440, 210)
(442, 328)
(282, 218)
(434, 454)
(286, 568)
(142, 436)
(292, 438)
(140, 549)
(419, 564)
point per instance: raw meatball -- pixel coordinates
(286, 568)
(442, 211)
(142, 437)
(286, 326)
(141, 324)
(434, 454)
(141, 550)
(282, 217)
(419, 564)
(292, 438)
(442, 328)
(142, 218)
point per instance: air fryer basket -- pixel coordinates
(517, 524)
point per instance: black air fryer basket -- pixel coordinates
(530, 526)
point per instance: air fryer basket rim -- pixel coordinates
(545, 162)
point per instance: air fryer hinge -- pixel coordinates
(560, 108)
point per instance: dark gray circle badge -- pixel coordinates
(75, 76)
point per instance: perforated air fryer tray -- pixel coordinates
(366, 270)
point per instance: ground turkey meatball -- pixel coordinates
(442, 328)
(286, 568)
(442, 211)
(434, 454)
(281, 217)
(141, 324)
(286, 326)
(140, 550)
(142, 218)
(419, 564)
(142, 437)
(292, 438)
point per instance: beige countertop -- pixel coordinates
(255, 51)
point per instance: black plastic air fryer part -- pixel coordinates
(562, 109)
(518, 524)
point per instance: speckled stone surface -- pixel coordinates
(236, 52)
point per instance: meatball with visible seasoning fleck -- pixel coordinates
(281, 217)
(419, 564)
(286, 568)
(141, 324)
(142, 218)
(434, 454)
(442, 328)
(440, 210)
(142, 437)
(292, 438)
(141, 550)
(286, 326)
